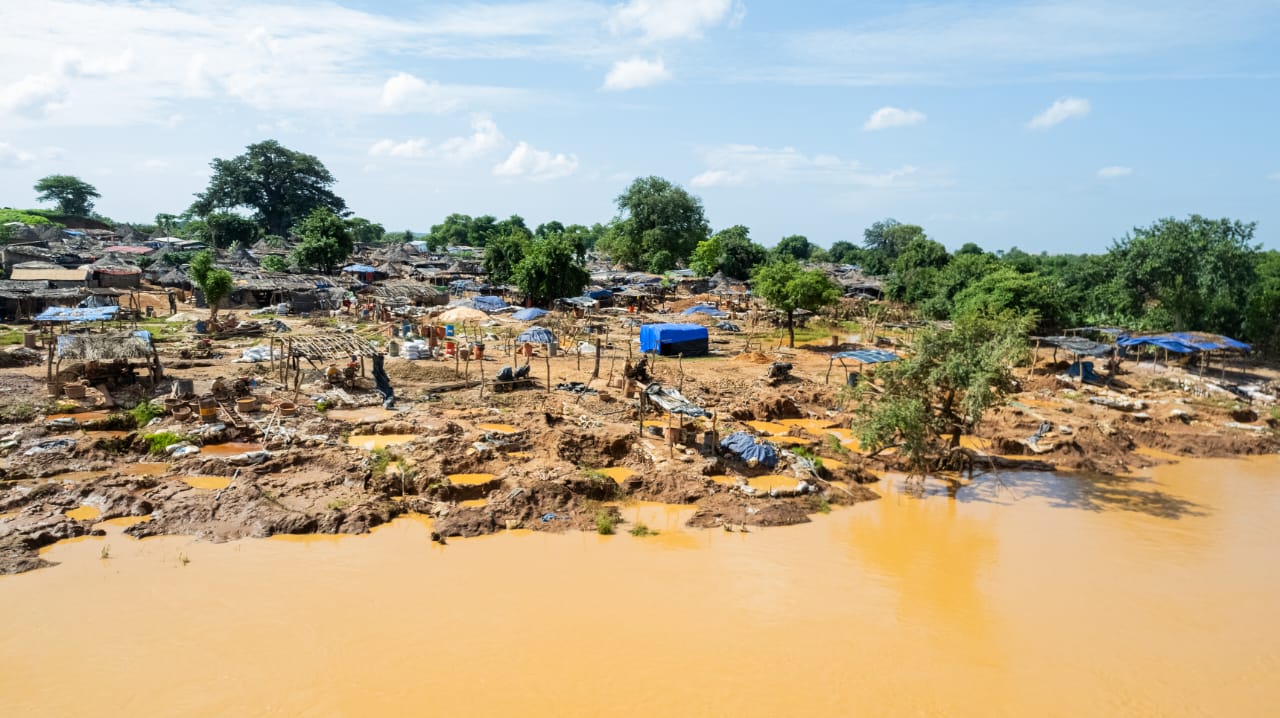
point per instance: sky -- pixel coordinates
(1048, 125)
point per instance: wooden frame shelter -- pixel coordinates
(293, 349)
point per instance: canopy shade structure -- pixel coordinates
(673, 339)
(537, 335)
(1078, 345)
(1186, 342)
(706, 309)
(530, 314)
(862, 356)
(63, 315)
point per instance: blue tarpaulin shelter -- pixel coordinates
(526, 315)
(672, 339)
(1186, 342)
(77, 314)
(745, 447)
(599, 294)
(706, 309)
(537, 335)
(359, 269)
(488, 303)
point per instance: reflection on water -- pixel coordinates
(1039, 594)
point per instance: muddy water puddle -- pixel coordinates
(82, 417)
(230, 448)
(84, 513)
(617, 473)
(812, 426)
(124, 522)
(370, 442)
(470, 479)
(1040, 594)
(368, 415)
(211, 483)
(145, 469)
(474, 503)
(498, 428)
(768, 428)
(770, 482)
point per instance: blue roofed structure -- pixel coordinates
(673, 339)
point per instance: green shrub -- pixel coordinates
(605, 521)
(144, 412)
(158, 442)
(641, 530)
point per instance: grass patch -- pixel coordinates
(159, 441)
(833, 443)
(338, 505)
(144, 412)
(605, 523)
(805, 453)
(16, 413)
(381, 459)
(322, 406)
(13, 336)
(819, 504)
(641, 530)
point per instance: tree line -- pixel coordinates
(1195, 273)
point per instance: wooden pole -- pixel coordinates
(547, 356)
(595, 373)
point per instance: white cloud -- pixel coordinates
(391, 148)
(1060, 111)
(718, 178)
(745, 164)
(400, 89)
(535, 164)
(636, 72)
(484, 138)
(1114, 171)
(887, 117)
(11, 156)
(34, 95)
(674, 19)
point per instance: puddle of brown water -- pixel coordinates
(469, 479)
(212, 483)
(617, 473)
(769, 482)
(124, 521)
(369, 442)
(767, 427)
(145, 469)
(1045, 595)
(474, 503)
(80, 417)
(369, 415)
(230, 448)
(83, 513)
(790, 440)
(78, 475)
(812, 426)
(499, 428)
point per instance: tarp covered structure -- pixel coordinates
(530, 314)
(867, 356)
(673, 339)
(488, 303)
(77, 314)
(1078, 345)
(536, 335)
(1186, 342)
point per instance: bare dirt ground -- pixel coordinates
(479, 462)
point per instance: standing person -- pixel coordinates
(173, 304)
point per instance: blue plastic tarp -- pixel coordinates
(868, 356)
(359, 269)
(488, 303)
(1186, 342)
(745, 446)
(1164, 342)
(529, 314)
(706, 309)
(536, 335)
(77, 314)
(653, 336)
(598, 294)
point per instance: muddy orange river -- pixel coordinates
(1038, 595)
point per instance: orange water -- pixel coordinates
(369, 442)
(368, 415)
(145, 469)
(231, 448)
(80, 417)
(83, 512)
(617, 473)
(1040, 595)
(211, 483)
(498, 428)
(470, 479)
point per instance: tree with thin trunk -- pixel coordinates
(788, 288)
(216, 284)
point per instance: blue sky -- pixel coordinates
(1046, 125)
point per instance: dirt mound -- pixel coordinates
(769, 407)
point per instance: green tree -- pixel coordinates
(962, 271)
(730, 251)
(705, 260)
(549, 271)
(1262, 317)
(1196, 272)
(658, 225)
(1006, 290)
(214, 283)
(940, 390)
(365, 232)
(280, 185)
(843, 252)
(502, 254)
(547, 229)
(884, 241)
(326, 241)
(787, 287)
(227, 229)
(795, 246)
(73, 195)
(165, 223)
(274, 263)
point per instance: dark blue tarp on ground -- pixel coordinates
(671, 339)
(745, 446)
(529, 314)
(598, 294)
(706, 309)
(488, 303)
